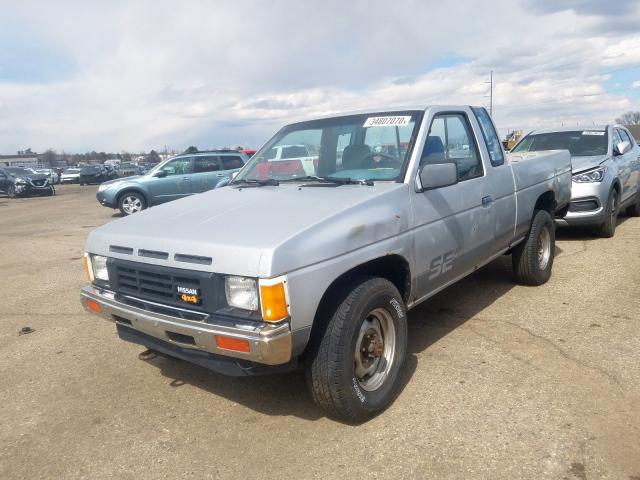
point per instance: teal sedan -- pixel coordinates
(176, 177)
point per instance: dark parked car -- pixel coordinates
(16, 182)
(94, 174)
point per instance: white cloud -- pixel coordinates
(636, 84)
(151, 74)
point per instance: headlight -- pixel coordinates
(21, 181)
(595, 175)
(96, 266)
(241, 292)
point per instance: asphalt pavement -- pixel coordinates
(502, 381)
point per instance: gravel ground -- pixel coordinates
(502, 381)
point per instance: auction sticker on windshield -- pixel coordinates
(387, 121)
(591, 132)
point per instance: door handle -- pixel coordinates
(487, 200)
(221, 175)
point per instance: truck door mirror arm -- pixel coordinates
(436, 175)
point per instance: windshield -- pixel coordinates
(72, 170)
(580, 143)
(17, 171)
(372, 146)
(90, 169)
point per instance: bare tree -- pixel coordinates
(629, 118)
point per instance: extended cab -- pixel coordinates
(278, 270)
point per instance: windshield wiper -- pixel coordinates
(328, 181)
(254, 182)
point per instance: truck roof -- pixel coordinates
(415, 107)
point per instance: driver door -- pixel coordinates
(454, 225)
(175, 184)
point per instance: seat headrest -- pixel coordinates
(353, 156)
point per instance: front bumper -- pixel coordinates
(269, 344)
(107, 198)
(30, 189)
(587, 204)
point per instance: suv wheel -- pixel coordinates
(11, 191)
(532, 259)
(355, 368)
(131, 202)
(608, 227)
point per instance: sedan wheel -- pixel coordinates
(11, 191)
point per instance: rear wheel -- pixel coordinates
(354, 369)
(532, 259)
(608, 227)
(131, 202)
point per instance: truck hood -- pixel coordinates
(257, 232)
(580, 164)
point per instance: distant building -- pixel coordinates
(21, 160)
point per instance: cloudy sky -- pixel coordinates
(135, 75)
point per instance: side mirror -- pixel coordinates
(622, 148)
(436, 175)
(160, 174)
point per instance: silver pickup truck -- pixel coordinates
(282, 270)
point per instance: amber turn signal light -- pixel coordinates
(87, 268)
(94, 306)
(231, 343)
(274, 302)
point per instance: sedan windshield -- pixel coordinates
(366, 147)
(580, 143)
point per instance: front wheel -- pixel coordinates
(131, 202)
(354, 369)
(11, 191)
(532, 259)
(608, 227)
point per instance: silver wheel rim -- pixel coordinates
(375, 349)
(131, 204)
(544, 248)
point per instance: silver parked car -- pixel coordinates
(606, 172)
(281, 269)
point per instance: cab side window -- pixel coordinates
(450, 140)
(206, 164)
(490, 136)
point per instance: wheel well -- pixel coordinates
(616, 186)
(546, 201)
(131, 189)
(394, 268)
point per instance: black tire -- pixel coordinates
(532, 259)
(608, 228)
(331, 364)
(11, 191)
(125, 197)
(633, 210)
